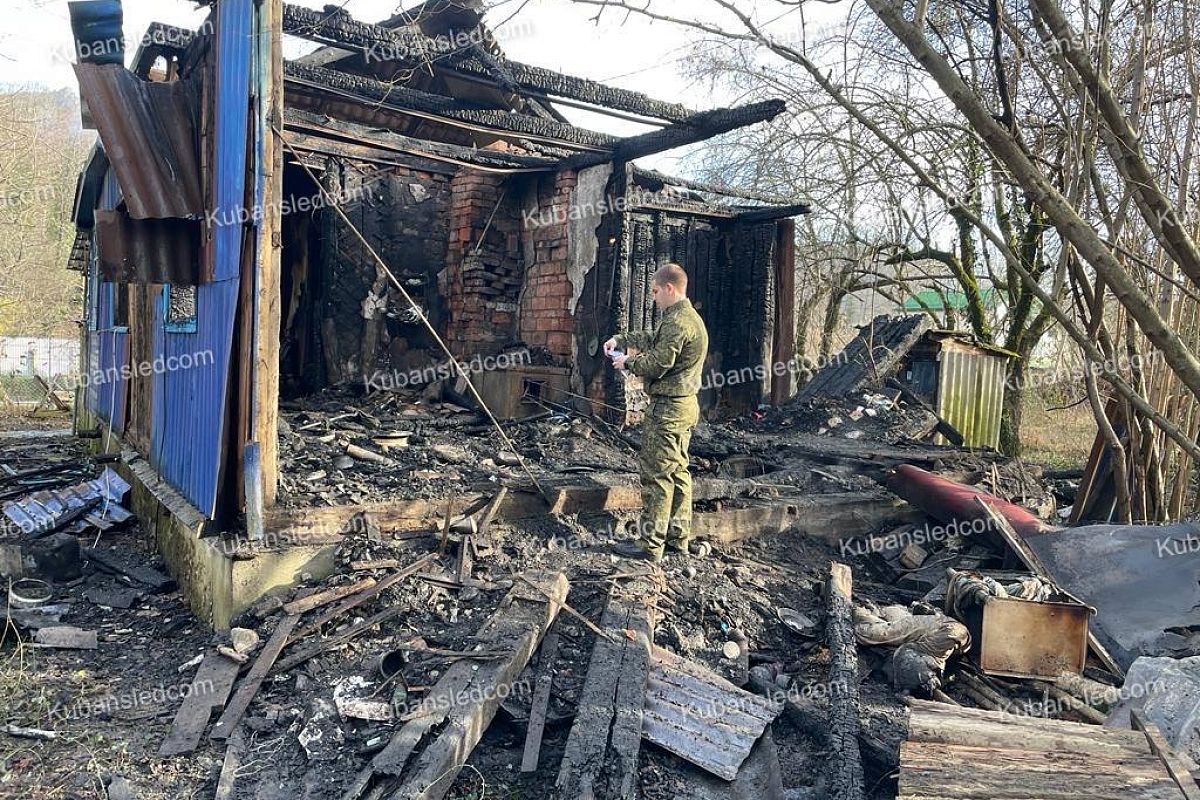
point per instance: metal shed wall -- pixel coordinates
(971, 393)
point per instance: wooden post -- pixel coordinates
(265, 402)
(846, 775)
(785, 311)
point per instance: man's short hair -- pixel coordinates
(672, 274)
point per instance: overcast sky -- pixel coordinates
(36, 48)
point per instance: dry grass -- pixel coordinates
(1056, 437)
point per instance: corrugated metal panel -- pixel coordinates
(188, 429)
(699, 716)
(148, 250)
(971, 393)
(189, 395)
(235, 26)
(149, 134)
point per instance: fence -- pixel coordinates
(37, 372)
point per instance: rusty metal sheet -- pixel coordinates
(1011, 637)
(701, 717)
(148, 250)
(149, 135)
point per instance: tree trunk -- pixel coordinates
(1014, 405)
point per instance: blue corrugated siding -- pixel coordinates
(189, 404)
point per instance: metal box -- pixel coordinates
(1029, 639)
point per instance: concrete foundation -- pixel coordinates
(217, 586)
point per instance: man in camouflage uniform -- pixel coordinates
(670, 362)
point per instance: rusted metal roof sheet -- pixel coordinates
(149, 135)
(148, 250)
(701, 717)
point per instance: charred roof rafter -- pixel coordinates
(341, 30)
(405, 100)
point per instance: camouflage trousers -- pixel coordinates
(663, 466)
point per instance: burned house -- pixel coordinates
(254, 229)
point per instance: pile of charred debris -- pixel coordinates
(877, 616)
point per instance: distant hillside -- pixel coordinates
(42, 147)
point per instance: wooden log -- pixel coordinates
(846, 773)
(317, 599)
(250, 684)
(465, 699)
(601, 754)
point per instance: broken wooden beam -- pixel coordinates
(250, 684)
(315, 649)
(696, 128)
(307, 603)
(458, 709)
(846, 773)
(601, 755)
(414, 49)
(374, 95)
(370, 593)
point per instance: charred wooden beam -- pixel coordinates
(656, 181)
(301, 124)
(407, 47)
(846, 773)
(601, 755)
(695, 128)
(406, 100)
(770, 213)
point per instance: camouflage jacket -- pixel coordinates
(670, 359)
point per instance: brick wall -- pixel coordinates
(545, 316)
(484, 270)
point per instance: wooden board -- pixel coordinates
(602, 749)
(971, 754)
(987, 773)
(254, 678)
(208, 690)
(465, 700)
(938, 723)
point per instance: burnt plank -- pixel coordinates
(209, 689)
(602, 748)
(466, 698)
